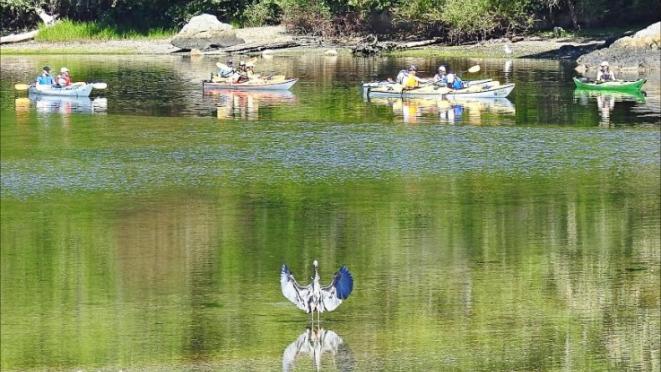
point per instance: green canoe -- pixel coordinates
(610, 85)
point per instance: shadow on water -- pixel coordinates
(314, 343)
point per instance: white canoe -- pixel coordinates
(75, 90)
(263, 85)
(490, 89)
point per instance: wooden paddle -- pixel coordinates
(21, 86)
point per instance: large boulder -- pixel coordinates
(206, 31)
(639, 52)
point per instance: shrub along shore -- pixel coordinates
(455, 21)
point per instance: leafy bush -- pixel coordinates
(17, 15)
(307, 17)
(266, 12)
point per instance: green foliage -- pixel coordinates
(266, 12)
(455, 19)
(16, 15)
(67, 30)
(307, 17)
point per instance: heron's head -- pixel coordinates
(315, 264)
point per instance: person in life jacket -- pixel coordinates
(605, 74)
(453, 81)
(63, 79)
(411, 81)
(225, 71)
(441, 77)
(45, 78)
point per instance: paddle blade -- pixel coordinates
(474, 69)
(21, 87)
(99, 85)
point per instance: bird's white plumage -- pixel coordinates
(314, 297)
(293, 291)
(329, 299)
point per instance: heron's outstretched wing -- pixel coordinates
(339, 289)
(293, 291)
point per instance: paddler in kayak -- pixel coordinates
(604, 73)
(226, 70)
(411, 81)
(45, 79)
(441, 77)
(241, 75)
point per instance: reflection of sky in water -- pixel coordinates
(262, 152)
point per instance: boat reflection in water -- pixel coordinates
(66, 105)
(606, 101)
(315, 342)
(465, 110)
(247, 104)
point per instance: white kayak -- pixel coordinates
(252, 85)
(74, 90)
(377, 84)
(488, 89)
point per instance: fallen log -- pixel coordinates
(415, 44)
(371, 45)
(48, 20)
(258, 47)
(17, 38)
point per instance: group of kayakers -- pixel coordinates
(444, 77)
(63, 79)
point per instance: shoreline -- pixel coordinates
(534, 47)
(567, 49)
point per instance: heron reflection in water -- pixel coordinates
(316, 342)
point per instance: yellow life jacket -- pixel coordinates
(410, 82)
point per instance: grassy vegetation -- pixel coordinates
(58, 50)
(68, 30)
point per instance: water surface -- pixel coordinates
(144, 228)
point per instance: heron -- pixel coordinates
(313, 297)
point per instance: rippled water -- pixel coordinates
(144, 228)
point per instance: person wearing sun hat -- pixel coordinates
(605, 74)
(64, 78)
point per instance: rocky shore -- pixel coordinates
(636, 53)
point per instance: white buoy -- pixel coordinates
(267, 52)
(508, 49)
(330, 52)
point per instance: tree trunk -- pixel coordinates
(573, 15)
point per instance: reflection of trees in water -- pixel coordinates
(562, 270)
